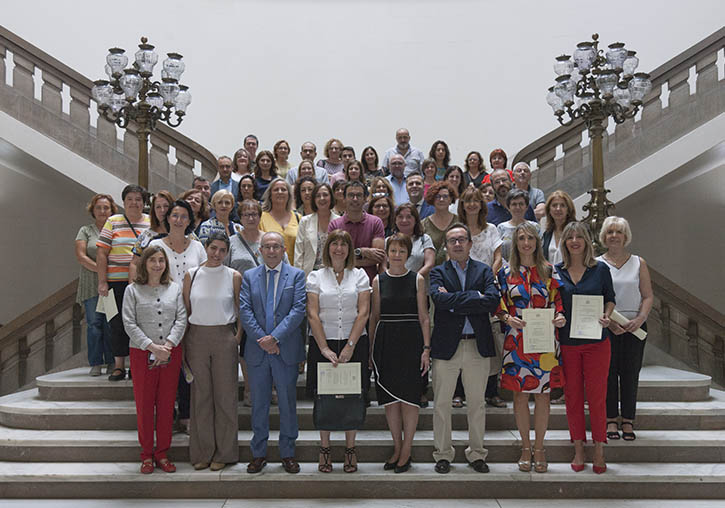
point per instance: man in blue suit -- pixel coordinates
(464, 295)
(272, 305)
(226, 182)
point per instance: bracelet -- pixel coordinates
(426, 348)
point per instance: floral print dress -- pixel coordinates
(533, 372)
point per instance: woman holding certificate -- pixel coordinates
(338, 301)
(634, 301)
(587, 294)
(530, 351)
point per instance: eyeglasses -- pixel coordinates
(273, 246)
(250, 215)
(355, 196)
(441, 197)
(457, 240)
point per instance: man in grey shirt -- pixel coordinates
(413, 157)
(537, 200)
(308, 153)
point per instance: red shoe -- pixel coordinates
(599, 469)
(147, 466)
(577, 467)
(166, 465)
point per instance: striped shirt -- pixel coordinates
(118, 239)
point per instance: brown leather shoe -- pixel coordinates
(290, 465)
(256, 465)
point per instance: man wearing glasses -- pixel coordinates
(464, 295)
(272, 306)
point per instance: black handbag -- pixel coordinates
(339, 412)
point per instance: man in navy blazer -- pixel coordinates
(273, 347)
(464, 295)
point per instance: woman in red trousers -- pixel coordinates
(154, 317)
(585, 361)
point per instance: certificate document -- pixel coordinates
(345, 379)
(539, 330)
(585, 314)
(621, 321)
(107, 305)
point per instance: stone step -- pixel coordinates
(373, 446)
(27, 410)
(657, 383)
(122, 480)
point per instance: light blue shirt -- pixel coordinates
(467, 327)
(413, 159)
(400, 193)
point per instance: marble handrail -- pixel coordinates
(46, 114)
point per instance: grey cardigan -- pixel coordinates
(153, 314)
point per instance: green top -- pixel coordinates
(88, 280)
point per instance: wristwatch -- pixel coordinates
(350, 343)
(426, 348)
(358, 253)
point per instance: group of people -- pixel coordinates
(408, 267)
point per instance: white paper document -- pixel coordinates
(621, 320)
(107, 305)
(539, 330)
(585, 313)
(345, 379)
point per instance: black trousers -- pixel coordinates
(624, 367)
(119, 337)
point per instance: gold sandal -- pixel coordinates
(525, 465)
(543, 466)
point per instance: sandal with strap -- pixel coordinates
(326, 466)
(613, 434)
(540, 466)
(349, 467)
(628, 436)
(525, 465)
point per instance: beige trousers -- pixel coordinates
(212, 353)
(474, 370)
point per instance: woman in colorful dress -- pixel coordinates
(400, 344)
(526, 283)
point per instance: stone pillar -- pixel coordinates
(706, 73)
(572, 154)
(23, 80)
(679, 88)
(184, 170)
(159, 165)
(546, 174)
(50, 93)
(130, 141)
(2, 65)
(106, 131)
(79, 109)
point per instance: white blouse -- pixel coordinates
(180, 263)
(338, 302)
(212, 296)
(485, 244)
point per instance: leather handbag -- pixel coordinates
(339, 412)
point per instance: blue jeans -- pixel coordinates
(98, 335)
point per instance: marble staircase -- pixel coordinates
(74, 436)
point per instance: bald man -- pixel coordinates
(413, 157)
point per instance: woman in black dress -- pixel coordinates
(400, 343)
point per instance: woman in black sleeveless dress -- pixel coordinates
(401, 347)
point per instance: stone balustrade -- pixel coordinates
(40, 339)
(687, 328)
(560, 161)
(63, 112)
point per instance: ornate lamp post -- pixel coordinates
(592, 87)
(130, 94)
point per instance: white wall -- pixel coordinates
(474, 73)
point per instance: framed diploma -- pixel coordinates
(585, 313)
(539, 330)
(345, 379)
